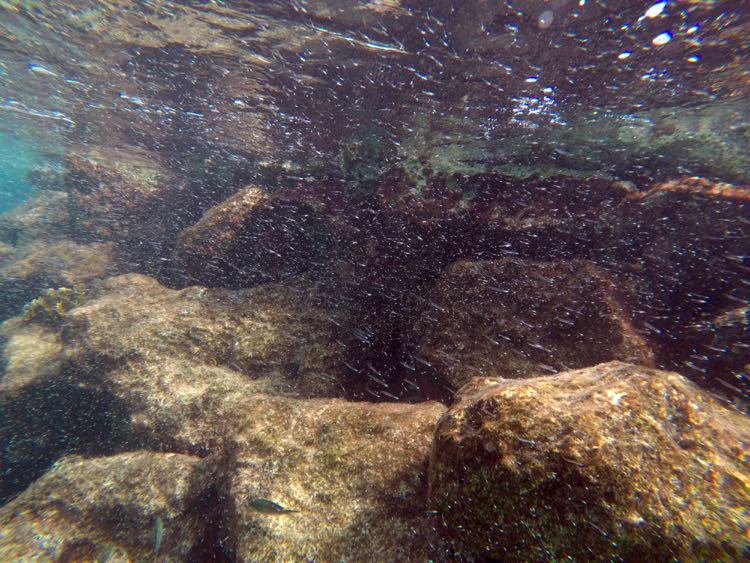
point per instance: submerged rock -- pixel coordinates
(500, 204)
(518, 318)
(252, 237)
(34, 268)
(32, 354)
(609, 462)
(354, 473)
(43, 217)
(129, 197)
(37, 253)
(85, 507)
(274, 331)
(683, 245)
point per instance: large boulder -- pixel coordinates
(355, 473)
(163, 364)
(287, 334)
(519, 318)
(612, 462)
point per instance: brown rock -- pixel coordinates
(683, 245)
(252, 237)
(270, 331)
(32, 355)
(354, 472)
(116, 193)
(127, 196)
(610, 462)
(39, 265)
(518, 318)
(81, 507)
(499, 202)
(43, 217)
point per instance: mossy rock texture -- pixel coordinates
(613, 462)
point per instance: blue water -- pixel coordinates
(18, 156)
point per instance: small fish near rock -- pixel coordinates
(267, 506)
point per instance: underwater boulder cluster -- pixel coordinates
(388, 280)
(407, 373)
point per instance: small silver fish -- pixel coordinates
(106, 553)
(158, 533)
(268, 506)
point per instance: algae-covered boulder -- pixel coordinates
(86, 509)
(274, 331)
(354, 473)
(32, 354)
(36, 252)
(518, 318)
(612, 462)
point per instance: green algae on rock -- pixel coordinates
(610, 462)
(52, 305)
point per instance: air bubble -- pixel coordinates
(546, 18)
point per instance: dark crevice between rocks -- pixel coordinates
(215, 543)
(54, 419)
(388, 272)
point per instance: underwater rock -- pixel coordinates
(720, 349)
(128, 197)
(38, 253)
(683, 245)
(45, 177)
(252, 237)
(84, 507)
(518, 318)
(355, 473)
(609, 462)
(32, 354)
(270, 331)
(43, 217)
(496, 201)
(38, 266)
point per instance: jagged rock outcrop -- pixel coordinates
(518, 318)
(609, 462)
